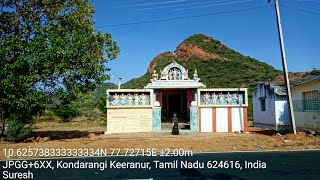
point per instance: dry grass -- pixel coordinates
(80, 125)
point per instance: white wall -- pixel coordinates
(206, 119)
(129, 120)
(237, 119)
(282, 111)
(268, 116)
(309, 120)
(222, 119)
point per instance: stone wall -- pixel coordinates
(129, 120)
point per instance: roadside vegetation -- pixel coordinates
(49, 51)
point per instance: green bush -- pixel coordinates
(48, 115)
(91, 114)
(18, 131)
(67, 111)
(315, 72)
(101, 104)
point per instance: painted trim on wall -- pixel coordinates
(214, 119)
(224, 90)
(229, 119)
(224, 105)
(245, 119)
(129, 107)
(275, 125)
(150, 91)
(199, 119)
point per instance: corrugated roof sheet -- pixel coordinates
(280, 90)
(305, 81)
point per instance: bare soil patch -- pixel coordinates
(84, 134)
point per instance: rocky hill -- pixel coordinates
(217, 65)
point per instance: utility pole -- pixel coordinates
(285, 71)
(119, 83)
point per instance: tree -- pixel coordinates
(49, 48)
(101, 104)
(315, 72)
(67, 111)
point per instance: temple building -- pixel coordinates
(173, 96)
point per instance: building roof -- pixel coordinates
(276, 89)
(280, 90)
(174, 76)
(305, 81)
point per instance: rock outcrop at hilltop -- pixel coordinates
(189, 49)
(154, 62)
(186, 51)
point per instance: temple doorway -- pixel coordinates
(174, 101)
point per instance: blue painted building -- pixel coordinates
(270, 109)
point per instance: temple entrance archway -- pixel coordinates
(174, 101)
(174, 91)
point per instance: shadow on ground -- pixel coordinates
(264, 132)
(58, 135)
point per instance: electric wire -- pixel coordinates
(182, 17)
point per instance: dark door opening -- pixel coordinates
(175, 102)
(175, 105)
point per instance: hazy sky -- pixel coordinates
(145, 28)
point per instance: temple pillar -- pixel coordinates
(167, 96)
(190, 98)
(181, 104)
(195, 95)
(194, 117)
(156, 119)
(158, 96)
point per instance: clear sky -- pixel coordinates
(145, 28)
